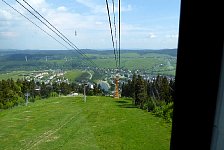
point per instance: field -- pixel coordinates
(69, 123)
(152, 61)
(72, 75)
(14, 75)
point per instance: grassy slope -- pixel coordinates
(72, 75)
(69, 123)
(14, 75)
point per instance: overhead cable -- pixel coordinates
(111, 31)
(83, 53)
(56, 33)
(119, 30)
(115, 29)
(34, 23)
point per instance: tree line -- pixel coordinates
(156, 95)
(12, 93)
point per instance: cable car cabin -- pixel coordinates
(199, 103)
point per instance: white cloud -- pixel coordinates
(151, 35)
(67, 20)
(91, 25)
(9, 34)
(40, 5)
(36, 3)
(62, 8)
(5, 15)
(99, 23)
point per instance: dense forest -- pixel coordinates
(156, 95)
(13, 93)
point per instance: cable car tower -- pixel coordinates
(116, 80)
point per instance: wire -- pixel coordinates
(75, 48)
(119, 35)
(111, 31)
(115, 28)
(50, 24)
(34, 23)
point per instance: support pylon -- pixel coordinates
(116, 93)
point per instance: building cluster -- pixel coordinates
(46, 76)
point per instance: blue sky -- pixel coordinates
(145, 24)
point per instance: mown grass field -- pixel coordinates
(14, 75)
(151, 64)
(72, 75)
(69, 123)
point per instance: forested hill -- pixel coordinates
(22, 53)
(171, 52)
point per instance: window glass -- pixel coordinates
(87, 74)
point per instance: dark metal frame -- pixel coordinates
(199, 57)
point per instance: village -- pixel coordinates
(106, 82)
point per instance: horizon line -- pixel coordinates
(87, 49)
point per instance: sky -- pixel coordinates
(145, 24)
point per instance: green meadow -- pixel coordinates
(72, 75)
(70, 123)
(13, 74)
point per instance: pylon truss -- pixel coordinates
(116, 93)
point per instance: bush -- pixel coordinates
(168, 112)
(150, 105)
(8, 104)
(37, 98)
(53, 94)
(164, 111)
(1, 106)
(32, 99)
(158, 111)
(20, 100)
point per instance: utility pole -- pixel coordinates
(84, 93)
(27, 95)
(59, 93)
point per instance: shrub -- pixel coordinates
(31, 99)
(53, 94)
(150, 104)
(20, 100)
(37, 98)
(1, 106)
(164, 111)
(8, 104)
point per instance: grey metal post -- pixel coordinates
(27, 95)
(84, 93)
